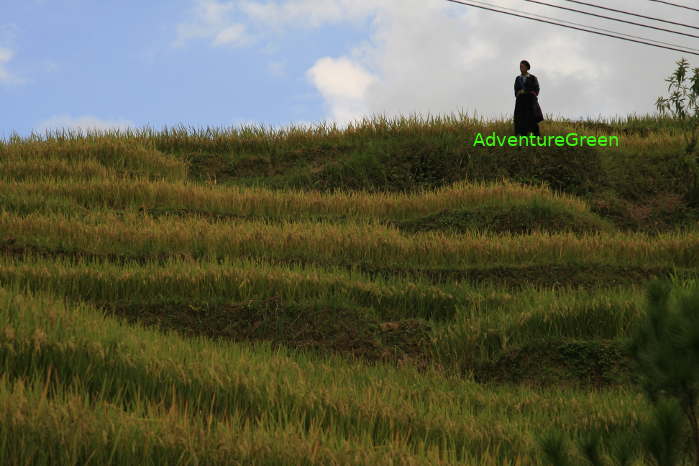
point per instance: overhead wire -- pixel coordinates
(632, 14)
(675, 4)
(577, 28)
(613, 19)
(591, 27)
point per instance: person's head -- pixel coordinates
(524, 66)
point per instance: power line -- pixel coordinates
(632, 14)
(572, 27)
(592, 27)
(614, 19)
(675, 4)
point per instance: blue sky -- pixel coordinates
(108, 64)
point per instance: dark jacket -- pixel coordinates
(528, 113)
(530, 84)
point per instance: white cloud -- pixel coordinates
(310, 13)
(438, 57)
(343, 84)
(84, 123)
(277, 68)
(340, 78)
(234, 34)
(210, 21)
(5, 56)
(5, 76)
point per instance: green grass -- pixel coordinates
(385, 294)
(71, 366)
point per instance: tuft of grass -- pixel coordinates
(127, 391)
(522, 217)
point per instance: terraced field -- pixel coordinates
(384, 294)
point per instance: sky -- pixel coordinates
(107, 64)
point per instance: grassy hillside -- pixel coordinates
(385, 294)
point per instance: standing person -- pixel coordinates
(527, 110)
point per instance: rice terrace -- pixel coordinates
(382, 294)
